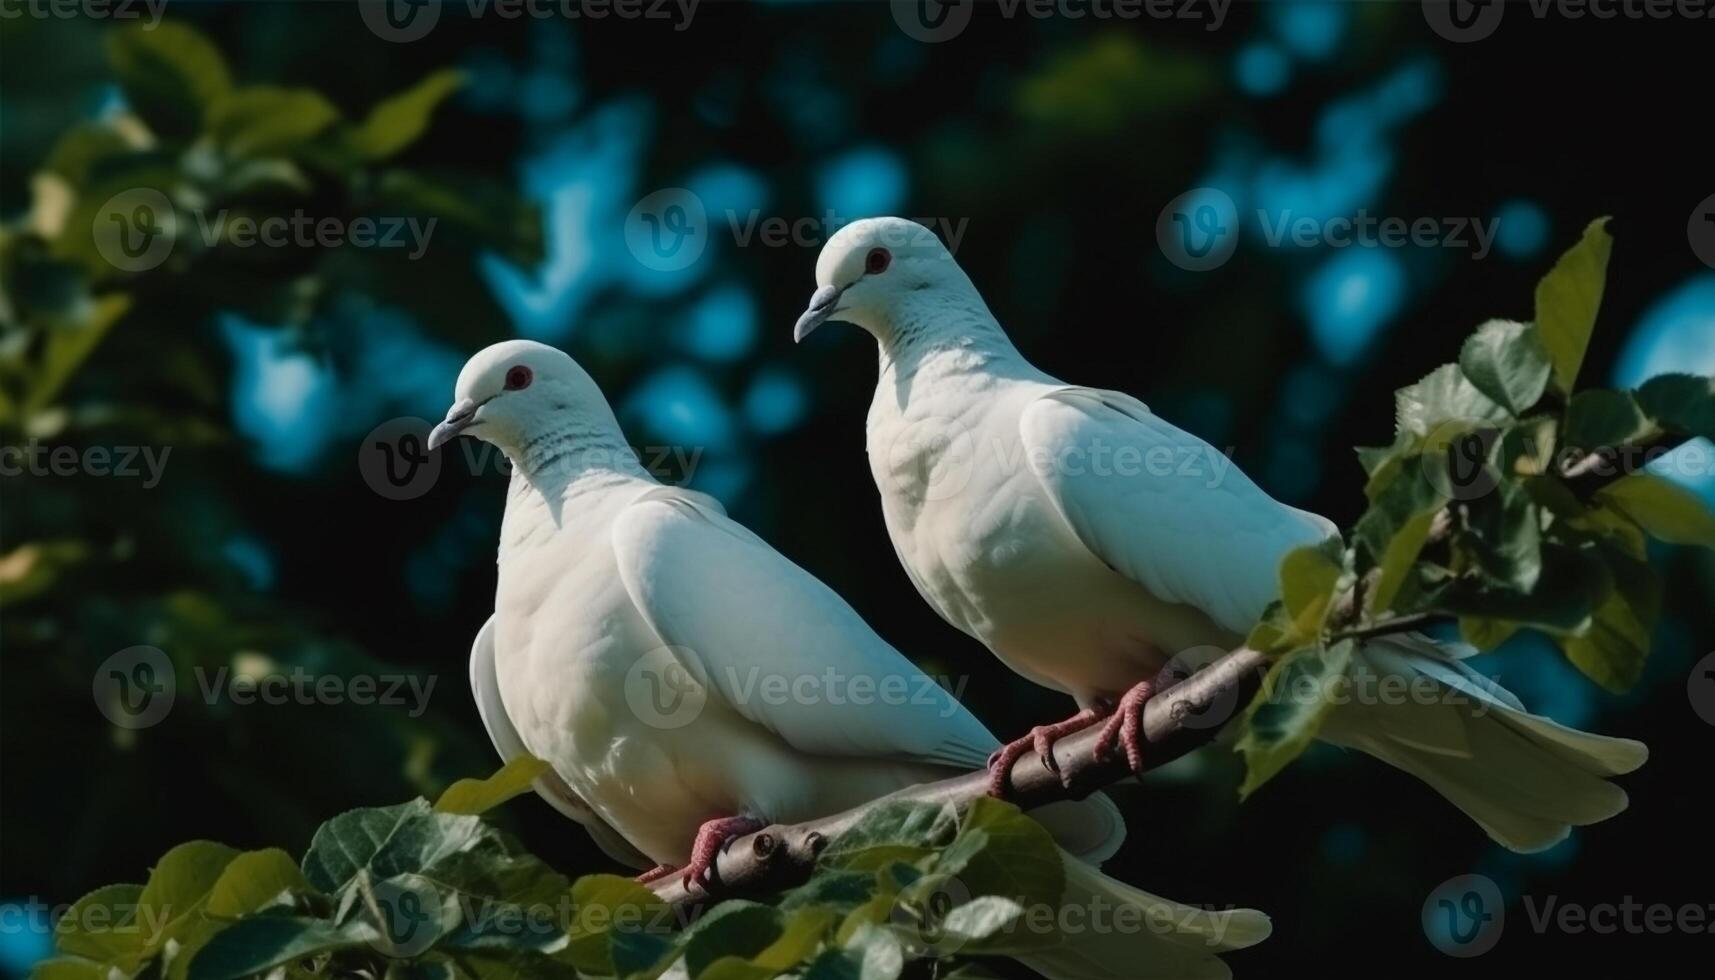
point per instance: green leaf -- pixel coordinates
(1309, 576)
(482, 795)
(253, 881)
(1572, 584)
(490, 215)
(171, 75)
(737, 929)
(104, 926)
(1485, 634)
(1611, 651)
(1397, 561)
(1296, 697)
(1666, 510)
(67, 345)
(1444, 396)
(1683, 403)
(1601, 418)
(1506, 362)
(897, 831)
(68, 968)
(179, 887)
(1567, 300)
(256, 945)
(1001, 851)
(619, 928)
(1504, 537)
(265, 119)
(397, 122)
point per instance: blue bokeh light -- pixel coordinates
(1311, 29)
(1262, 69)
(679, 405)
(862, 183)
(1521, 229)
(1676, 334)
(775, 402)
(1350, 298)
(722, 326)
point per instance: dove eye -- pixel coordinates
(518, 377)
(877, 261)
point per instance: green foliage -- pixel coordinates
(1483, 510)
(412, 890)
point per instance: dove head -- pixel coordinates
(885, 275)
(518, 393)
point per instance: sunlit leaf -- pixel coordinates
(1666, 510)
(1567, 300)
(171, 74)
(482, 795)
(397, 122)
(266, 119)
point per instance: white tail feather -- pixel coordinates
(1523, 778)
(1155, 938)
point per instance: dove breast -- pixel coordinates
(985, 545)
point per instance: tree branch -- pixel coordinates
(1176, 721)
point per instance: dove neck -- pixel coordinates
(572, 450)
(917, 333)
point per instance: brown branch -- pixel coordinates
(1184, 717)
(1176, 721)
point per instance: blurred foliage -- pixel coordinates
(96, 564)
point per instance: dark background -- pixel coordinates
(1059, 142)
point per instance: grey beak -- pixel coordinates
(459, 418)
(821, 308)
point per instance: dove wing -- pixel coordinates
(1214, 544)
(707, 584)
(485, 685)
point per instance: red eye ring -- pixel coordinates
(518, 377)
(877, 261)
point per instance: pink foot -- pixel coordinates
(1040, 740)
(1126, 727)
(711, 837)
(655, 874)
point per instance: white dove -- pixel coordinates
(642, 643)
(1050, 522)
